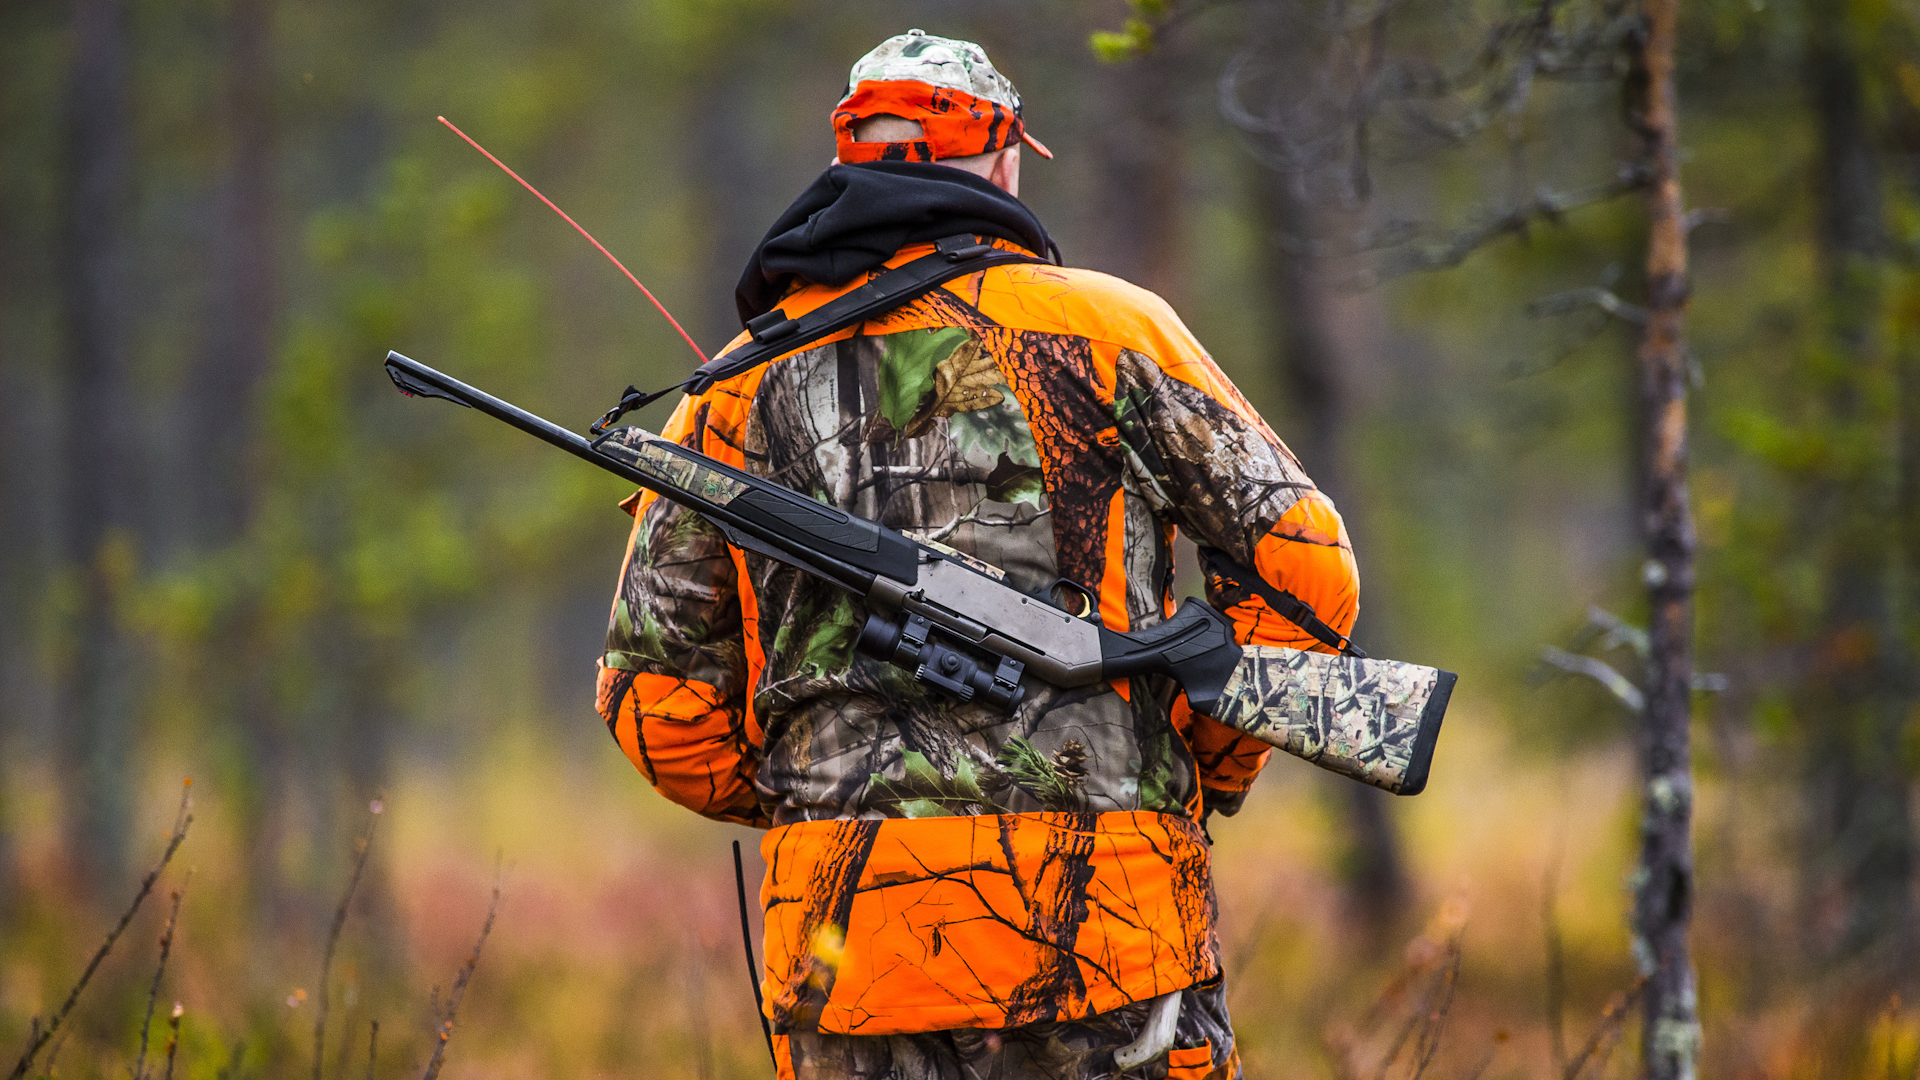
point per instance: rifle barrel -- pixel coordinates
(474, 398)
(418, 380)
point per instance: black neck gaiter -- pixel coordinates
(855, 217)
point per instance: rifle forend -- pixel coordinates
(957, 625)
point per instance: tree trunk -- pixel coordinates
(98, 523)
(239, 349)
(1906, 144)
(1141, 170)
(1663, 893)
(1861, 842)
(1316, 343)
(725, 176)
(1321, 337)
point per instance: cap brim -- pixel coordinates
(1038, 146)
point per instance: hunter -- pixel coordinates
(952, 892)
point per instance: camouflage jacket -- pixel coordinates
(1055, 423)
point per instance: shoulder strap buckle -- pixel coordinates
(772, 326)
(957, 248)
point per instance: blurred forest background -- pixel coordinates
(1409, 229)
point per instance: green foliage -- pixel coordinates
(1135, 38)
(924, 791)
(1039, 776)
(907, 370)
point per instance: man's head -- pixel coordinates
(923, 98)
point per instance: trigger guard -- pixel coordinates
(1089, 603)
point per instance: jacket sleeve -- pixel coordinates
(1227, 481)
(672, 685)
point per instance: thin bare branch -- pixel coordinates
(1617, 631)
(182, 819)
(1599, 671)
(173, 1036)
(1399, 1043)
(1547, 206)
(1705, 215)
(1613, 1021)
(443, 1031)
(1592, 296)
(1523, 367)
(1486, 1059)
(1514, 55)
(1556, 965)
(373, 1048)
(1436, 1014)
(53, 1052)
(361, 851)
(153, 991)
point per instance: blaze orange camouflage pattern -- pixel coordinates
(935, 866)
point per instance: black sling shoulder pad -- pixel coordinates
(774, 334)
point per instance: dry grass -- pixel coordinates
(622, 952)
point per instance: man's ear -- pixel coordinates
(1005, 173)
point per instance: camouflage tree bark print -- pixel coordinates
(827, 909)
(936, 866)
(1203, 1048)
(1356, 717)
(983, 920)
(1054, 379)
(921, 431)
(1056, 906)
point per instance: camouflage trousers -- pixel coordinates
(1072, 1050)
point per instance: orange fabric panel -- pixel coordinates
(723, 433)
(953, 122)
(1306, 553)
(718, 418)
(782, 1059)
(1113, 585)
(988, 287)
(724, 437)
(809, 296)
(898, 925)
(1107, 310)
(1190, 1063)
(1226, 759)
(612, 696)
(681, 736)
(1106, 372)
(750, 631)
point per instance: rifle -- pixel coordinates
(955, 623)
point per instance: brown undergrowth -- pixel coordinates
(49, 1035)
(623, 952)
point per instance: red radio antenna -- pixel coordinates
(688, 338)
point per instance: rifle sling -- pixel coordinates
(1284, 604)
(774, 334)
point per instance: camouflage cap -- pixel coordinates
(948, 86)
